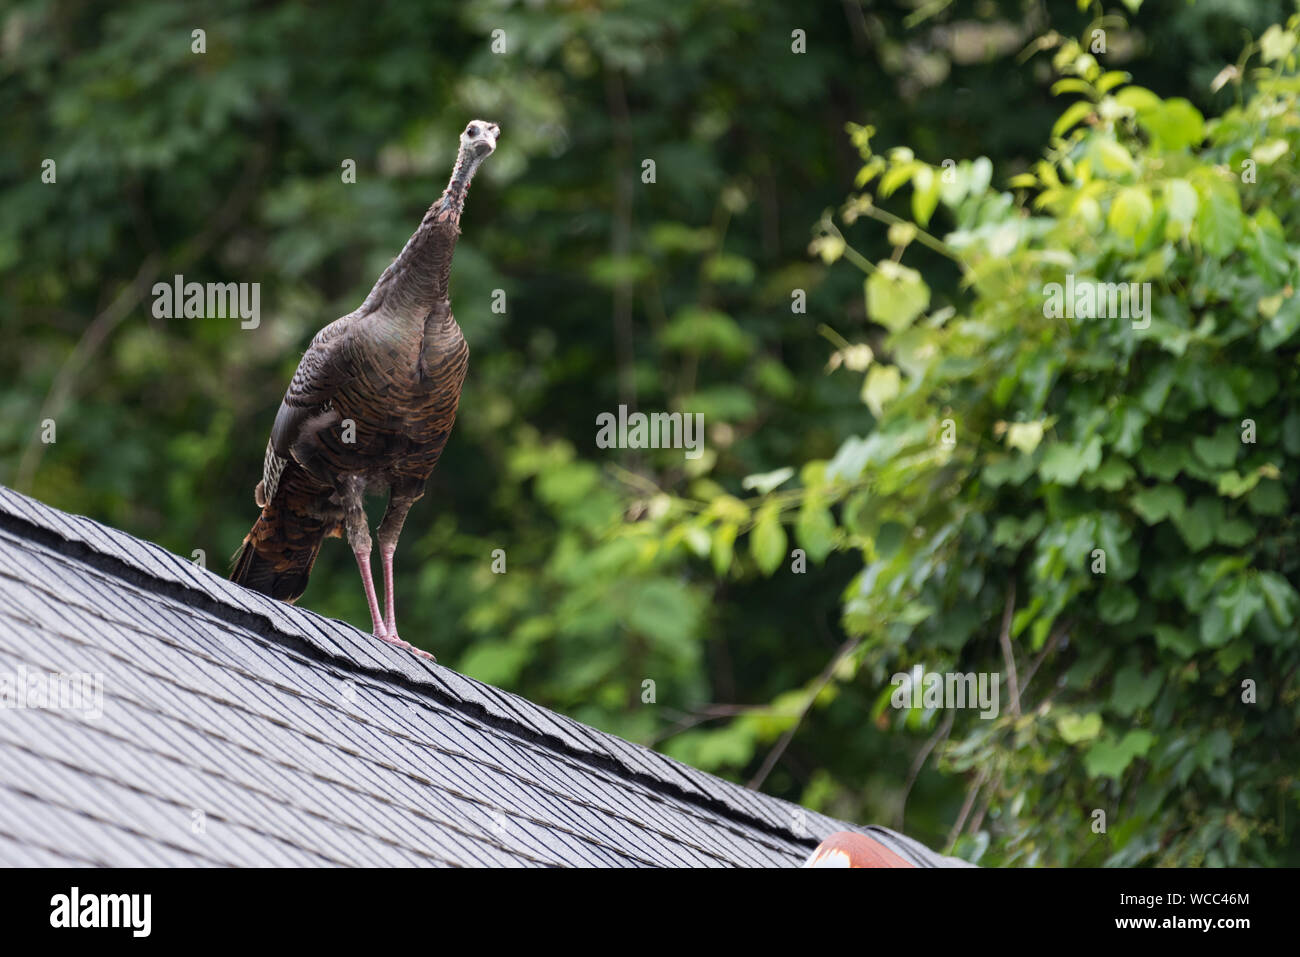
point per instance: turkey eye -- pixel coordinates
(472, 131)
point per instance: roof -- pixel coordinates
(238, 730)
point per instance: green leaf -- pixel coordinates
(1175, 639)
(1117, 604)
(1156, 389)
(1220, 225)
(1291, 432)
(1109, 80)
(1125, 432)
(1133, 691)
(1075, 728)
(1215, 627)
(1181, 201)
(1220, 450)
(869, 171)
(1267, 498)
(881, 385)
(1235, 486)
(729, 268)
(1266, 154)
(698, 540)
(1109, 758)
(1282, 325)
(1199, 524)
(1138, 99)
(678, 237)
(664, 611)
(1015, 532)
(766, 481)
(614, 270)
(1130, 212)
(1164, 462)
(1071, 84)
(1113, 475)
(1223, 397)
(706, 332)
(815, 529)
(767, 541)
(1158, 503)
(1005, 469)
(897, 175)
(1241, 601)
(1276, 44)
(890, 539)
(925, 194)
(724, 540)
(1073, 115)
(1065, 463)
(1025, 436)
(1174, 125)
(1111, 156)
(1235, 532)
(1232, 655)
(1279, 596)
(896, 295)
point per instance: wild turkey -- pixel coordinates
(368, 411)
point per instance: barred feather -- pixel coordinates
(375, 395)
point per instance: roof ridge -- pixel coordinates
(152, 568)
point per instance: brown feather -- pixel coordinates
(370, 407)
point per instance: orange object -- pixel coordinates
(850, 849)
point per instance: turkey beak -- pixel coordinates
(493, 131)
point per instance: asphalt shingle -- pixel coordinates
(236, 730)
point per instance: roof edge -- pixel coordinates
(102, 547)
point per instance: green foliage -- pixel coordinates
(1101, 500)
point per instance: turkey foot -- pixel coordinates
(405, 645)
(382, 631)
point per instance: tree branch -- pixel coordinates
(942, 732)
(775, 754)
(1013, 684)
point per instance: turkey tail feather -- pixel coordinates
(279, 551)
(283, 575)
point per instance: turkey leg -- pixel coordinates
(390, 529)
(354, 516)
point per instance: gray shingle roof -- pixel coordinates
(237, 730)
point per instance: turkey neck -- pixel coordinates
(418, 277)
